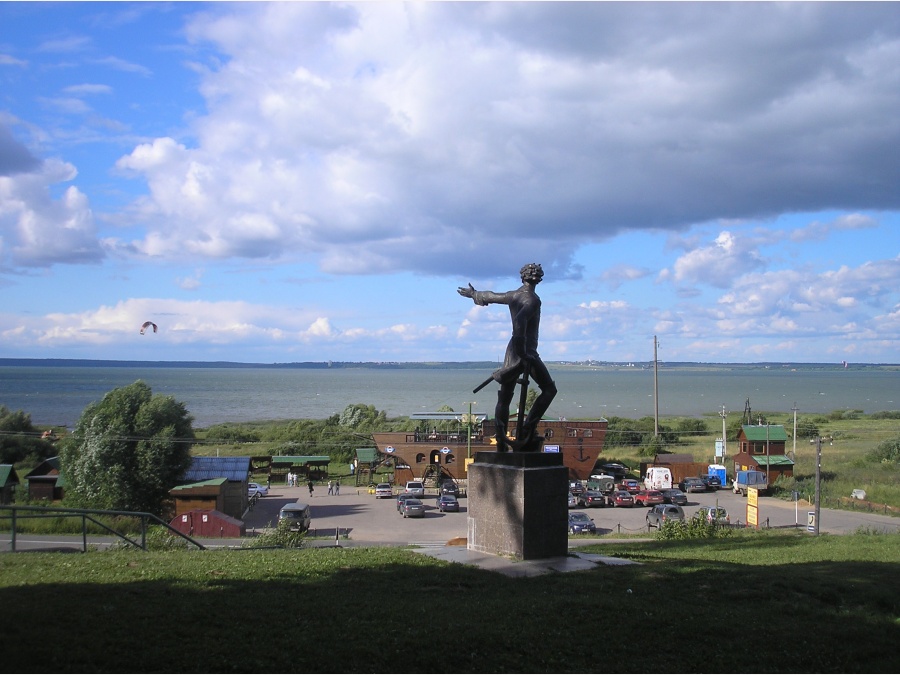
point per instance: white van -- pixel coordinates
(658, 478)
(297, 514)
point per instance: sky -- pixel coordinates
(312, 181)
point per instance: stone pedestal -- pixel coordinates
(517, 504)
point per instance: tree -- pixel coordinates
(128, 451)
(19, 440)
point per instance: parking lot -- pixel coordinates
(357, 517)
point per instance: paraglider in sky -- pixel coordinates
(146, 325)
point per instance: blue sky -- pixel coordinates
(276, 182)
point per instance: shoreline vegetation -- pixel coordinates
(448, 365)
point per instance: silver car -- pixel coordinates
(413, 508)
(663, 513)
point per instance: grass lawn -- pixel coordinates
(752, 602)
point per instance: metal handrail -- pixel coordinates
(89, 515)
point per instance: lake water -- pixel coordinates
(58, 395)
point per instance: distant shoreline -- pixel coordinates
(439, 365)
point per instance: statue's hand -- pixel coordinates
(466, 292)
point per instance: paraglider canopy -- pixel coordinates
(146, 325)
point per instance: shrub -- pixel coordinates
(280, 537)
(694, 528)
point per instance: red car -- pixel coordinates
(631, 486)
(621, 498)
(649, 498)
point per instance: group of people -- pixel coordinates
(293, 480)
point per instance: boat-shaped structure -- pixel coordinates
(437, 454)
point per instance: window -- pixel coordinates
(548, 433)
(588, 433)
(420, 458)
(571, 433)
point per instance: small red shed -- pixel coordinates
(208, 523)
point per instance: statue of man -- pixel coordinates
(521, 353)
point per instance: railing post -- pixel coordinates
(83, 533)
(12, 539)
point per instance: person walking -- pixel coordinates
(331, 487)
(309, 484)
(337, 487)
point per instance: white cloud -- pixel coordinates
(327, 131)
(38, 230)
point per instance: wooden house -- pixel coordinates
(761, 447)
(9, 480)
(46, 481)
(235, 471)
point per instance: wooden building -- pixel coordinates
(762, 448)
(46, 481)
(310, 467)
(235, 471)
(9, 480)
(205, 495)
(437, 455)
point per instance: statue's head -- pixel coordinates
(532, 272)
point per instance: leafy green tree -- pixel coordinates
(807, 427)
(888, 451)
(128, 451)
(19, 440)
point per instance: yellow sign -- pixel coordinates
(752, 516)
(753, 497)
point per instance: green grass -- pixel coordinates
(752, 602)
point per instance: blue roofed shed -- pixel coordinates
(227, 475)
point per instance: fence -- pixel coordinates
(18, 513)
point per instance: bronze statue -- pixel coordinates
(521, 360)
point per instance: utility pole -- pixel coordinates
(794, 451)
(818, 479)
(469, 432)
(655, 390)
(767, 452)
(724, 416)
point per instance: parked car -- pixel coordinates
(713, 514)
(415, 487)
(447, 503)
(448, 487)
(693, 485)
(402, 497)
(413, 508)
(573, 501)
(711, 481)
(674, 496)
(296, 515)
(383, 490)
(621, 498)
(590, 498)
(630, 485)
(576, 487)
(649, 498)
(257, 489)
(581, 523)
(662, 513)
(616, 469)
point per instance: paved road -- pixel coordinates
(357, 518)
(365, 519)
